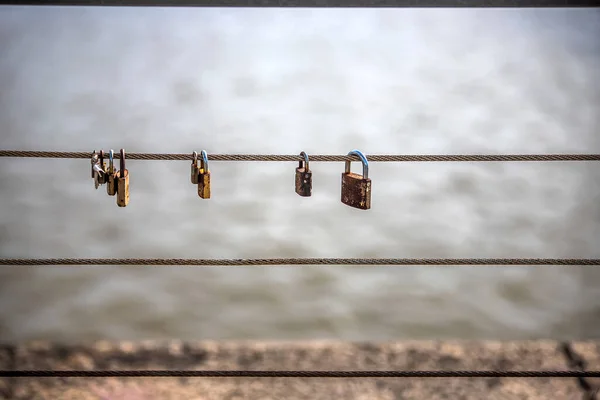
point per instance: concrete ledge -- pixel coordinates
(405, 355)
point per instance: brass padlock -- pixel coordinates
(111, 180)
(356, 189)
(303, 177)
(195, 170)
(204, 177)
(122, 182)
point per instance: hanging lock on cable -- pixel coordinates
(97, 169)
(111, 180)
(195, 170)
(122, 182)
(203, 177)
(356, 189)
(303, 177)
(102, 178)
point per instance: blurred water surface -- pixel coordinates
(284, 81)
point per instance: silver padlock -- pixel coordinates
(96, 169)
(111, 180)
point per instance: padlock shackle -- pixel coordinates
(195, 158)
(303, 154)
(122, 162)
(101, 158)
(204, 164)
(364, 161)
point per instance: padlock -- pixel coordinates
(195, 170)
(94, 161)
(96, 170)
(303, 177)
(204, 177)
(122, 182)
(356, 189)
(111, 180)
(102, 178)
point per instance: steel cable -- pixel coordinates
(319, 158)
(302, 374)
(301, 261)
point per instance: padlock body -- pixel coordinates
(204, 184)
(356, 191)
(111, 184)
(303, 182)
(102, 178)
(195, 173)
(122, 188)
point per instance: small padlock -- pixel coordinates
(204, 177)
(111, 181)
(122, 182)
(356, 189)
(94, 161)
(102, 178)
(195, 170)
(303, 177)
(96, 170)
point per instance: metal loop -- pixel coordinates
(195, 158)
(364, 161)
(306, 168)
(204, 163)
(122, 162)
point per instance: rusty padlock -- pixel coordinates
(122, 182)
(303, 177)
(111, 175)
(204, 177)
(195, 170)
(356, 189)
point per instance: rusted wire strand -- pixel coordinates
(301, 261)
(316, 157)
(304, 374)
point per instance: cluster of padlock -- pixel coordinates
(356, 188)
(201, 175)
(117, 182)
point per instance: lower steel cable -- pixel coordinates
(304, 374)
(302, 261)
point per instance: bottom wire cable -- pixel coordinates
(303, 374)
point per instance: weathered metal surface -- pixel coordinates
(303, 182)
(204, 184)
(111, 184)
(123, 188)
(194, 169)
(356, 191)
(194, 173)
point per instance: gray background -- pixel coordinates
(283, 81)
